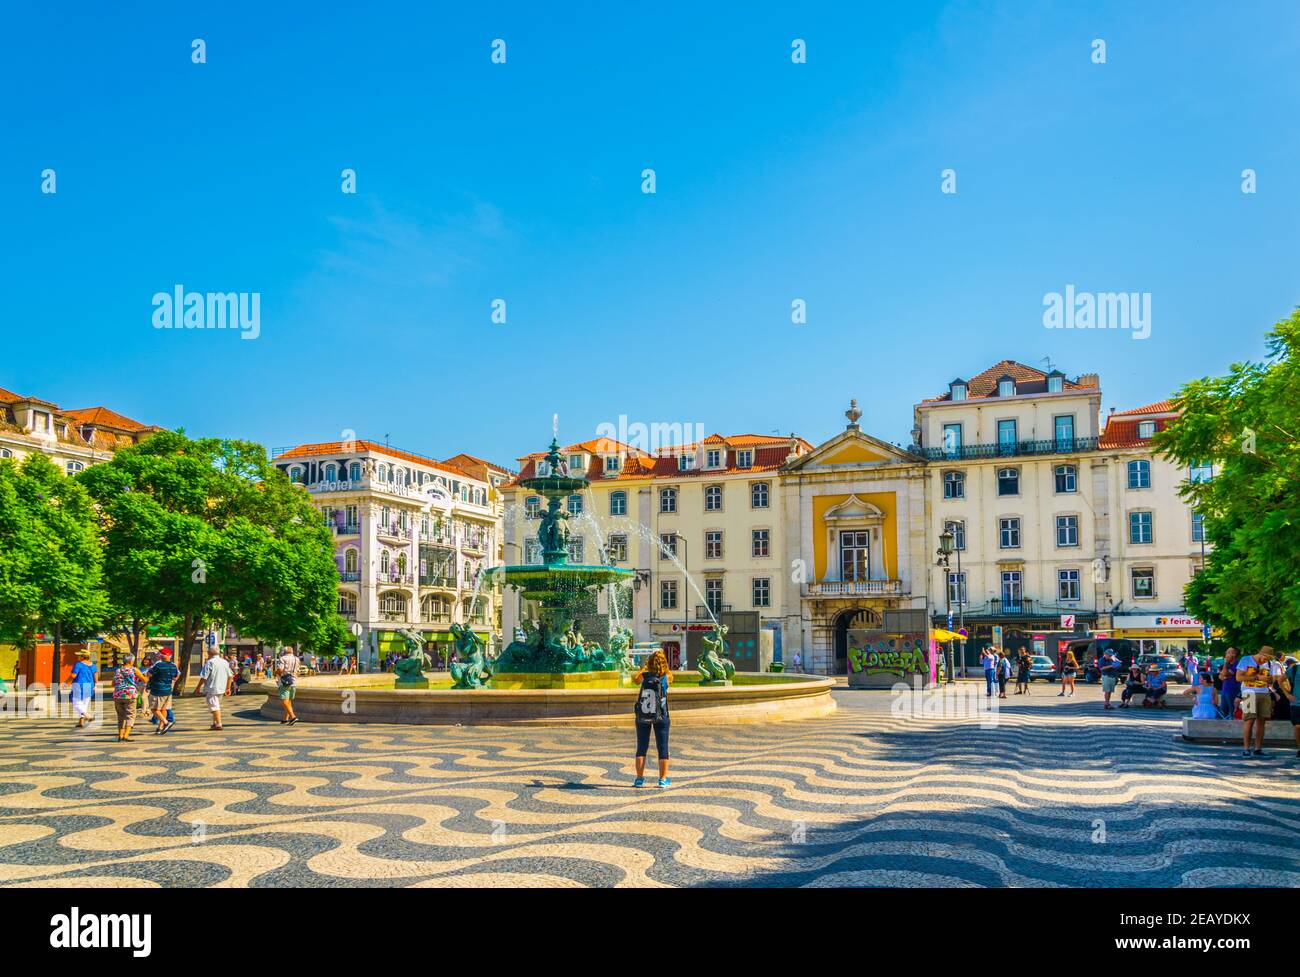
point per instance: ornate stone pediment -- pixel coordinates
(853, 510)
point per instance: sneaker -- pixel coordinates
(293, 720)
(665, 782)
(1259, 753)
(1245, 753)
(164, 727)
(639, 782)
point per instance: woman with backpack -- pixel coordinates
(652, 713)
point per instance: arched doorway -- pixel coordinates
(854, 619)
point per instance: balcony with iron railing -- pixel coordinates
(394, 531)
(350, 576)
(1010, 449)
(432, 580)
(854, 588)
(395, 577)
(702, 611)
(1023, 607)
(346, 529)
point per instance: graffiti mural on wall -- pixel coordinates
(877, 653)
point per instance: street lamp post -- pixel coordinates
(945, 552)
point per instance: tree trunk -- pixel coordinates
(183, 652)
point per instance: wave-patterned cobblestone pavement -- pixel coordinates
(1056, 794)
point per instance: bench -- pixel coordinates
(1277, 732)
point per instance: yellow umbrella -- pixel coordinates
(941, 634)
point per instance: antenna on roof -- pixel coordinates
(1050, 365)
(386, 444)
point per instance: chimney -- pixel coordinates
(1088, 380)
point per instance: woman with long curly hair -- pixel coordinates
(652, 713)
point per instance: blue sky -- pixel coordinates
(522, 181)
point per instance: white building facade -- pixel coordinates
(413, 536)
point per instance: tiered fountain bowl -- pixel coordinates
(553, 675)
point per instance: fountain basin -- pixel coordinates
(753, 698)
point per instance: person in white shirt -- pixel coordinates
(1257, 673)
(215, 680)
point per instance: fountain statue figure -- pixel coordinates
(553, 643)
(471, 670)
(715, 668)
(410, 667)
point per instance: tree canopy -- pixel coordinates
(50, 557)
(209, 530)
(1247, 423)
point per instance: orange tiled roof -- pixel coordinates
(463, 458)
(336, 448)
(8, 396)
(1122, 426)
(1028, 379)
(103, 417)
(1159, 407)
(769, 454)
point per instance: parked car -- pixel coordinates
(1042, 667)
(1168, 664)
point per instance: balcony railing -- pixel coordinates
(854, 588)
(350, 576)
(432, 581)
(1027, 607)
(1011, 449)
(394, 576)
(394, 531)
(347, 529)
(702, 611)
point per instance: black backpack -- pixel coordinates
(651, 704)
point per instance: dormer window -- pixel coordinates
(1055, 382)
(543, 468)
(612, 464)
(577, 463)
(957, 389)
(1006, 387)
(713, 459)
(684, 463)
(1146, 429)
(745, 458)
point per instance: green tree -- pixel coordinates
(50, 556)
(204, 530)
(1246, 423)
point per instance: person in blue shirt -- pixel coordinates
(989, 660)
(83, 688)
(1155, 687)
(162, 676)
(1110, 667)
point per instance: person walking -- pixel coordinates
(286, 670)
(798, 662)
(1230, 685)
(1257, 674)
(1109, 666)
(162, 677)
(652, 713)
(215, 680)
(989, 662)
(1069, 670)
(83, 687)
(126, 692)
